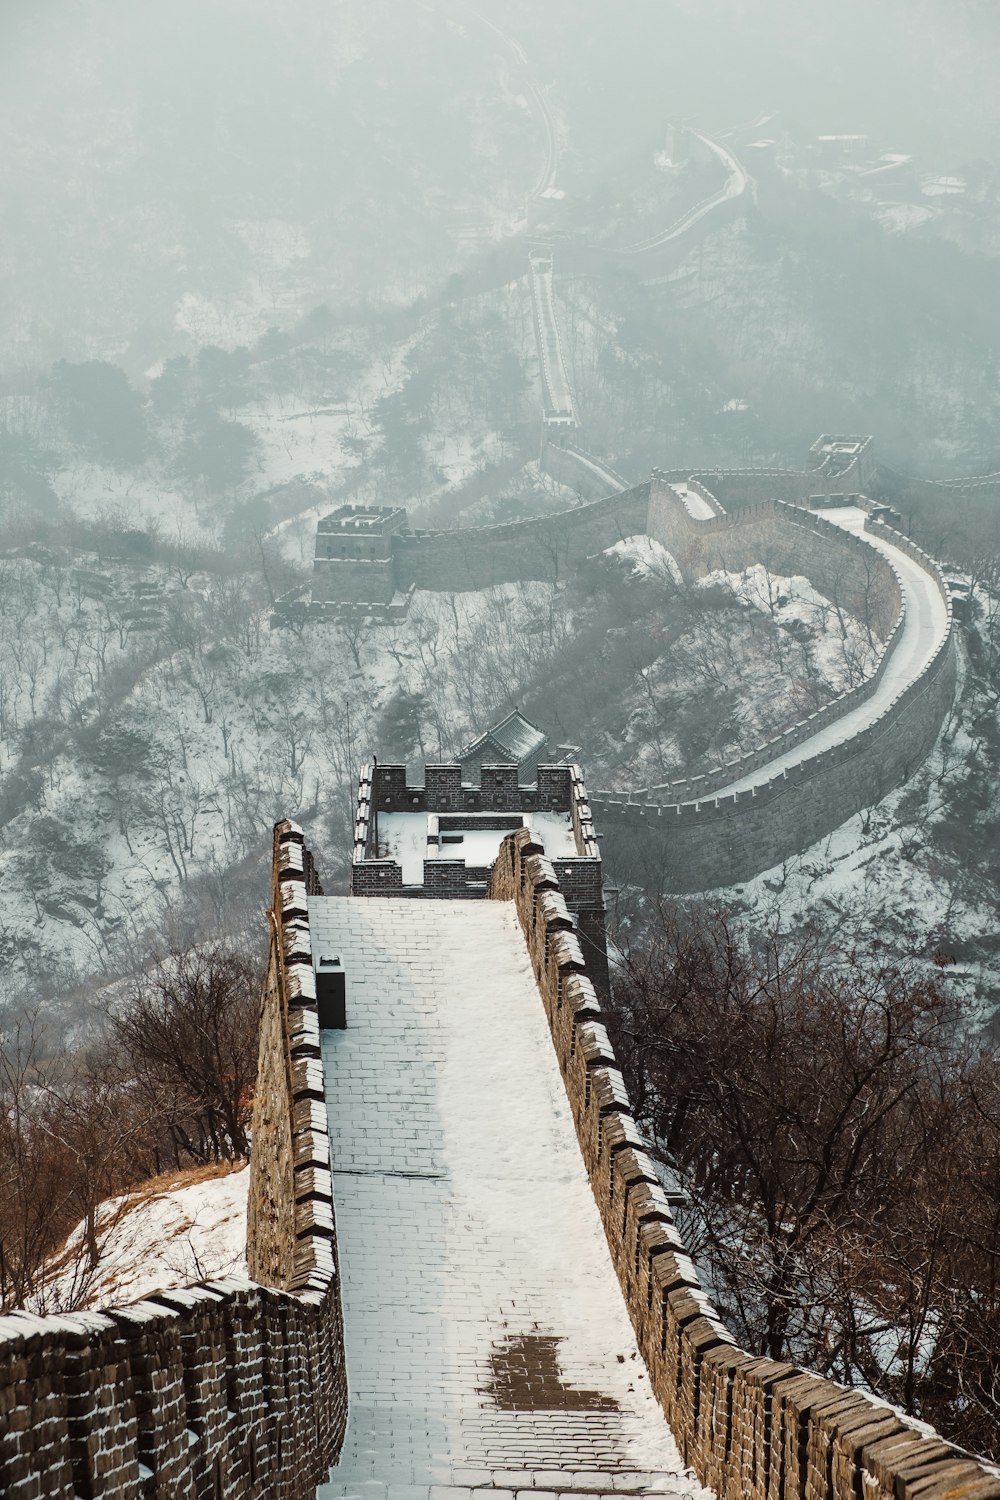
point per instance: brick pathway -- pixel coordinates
(488, 1346)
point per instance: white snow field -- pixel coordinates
(412, 837)
(925, 625)
(164, 1233)
(488, 1344)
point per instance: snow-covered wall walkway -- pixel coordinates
(488, 1345)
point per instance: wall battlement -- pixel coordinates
(557, 789)
(225, 1388)
(752, 1428)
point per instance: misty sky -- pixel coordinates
(161, 158)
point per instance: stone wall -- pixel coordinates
(579, 470)
(875, 591)
(684, 846)
(228, 1388)
(788, 540)
(753, 1429)
(344, 580)
(736, 488)
(548, 548)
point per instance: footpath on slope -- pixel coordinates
(924, 628)
(488, 1344)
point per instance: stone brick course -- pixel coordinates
(227, 1388)
(753, 1429)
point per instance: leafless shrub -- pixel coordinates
(840, 1145)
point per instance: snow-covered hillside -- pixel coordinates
(153, 727)
(183, 1227)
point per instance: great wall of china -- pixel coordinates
(237, 1388)
(733, 821)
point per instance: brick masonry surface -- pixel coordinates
(227, 1388)
(488, 1346)
(752, 1428)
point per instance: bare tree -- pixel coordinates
(188, 1036)
(840, 1146)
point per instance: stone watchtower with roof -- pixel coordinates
(515, 741)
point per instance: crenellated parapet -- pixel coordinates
(229, 1387)
(753, 1428)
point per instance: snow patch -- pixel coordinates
(164, 1233)
(649, 558)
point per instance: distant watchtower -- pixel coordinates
(846, 463)
(439, 839)
(354, 554)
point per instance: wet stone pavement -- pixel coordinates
(488, 1345)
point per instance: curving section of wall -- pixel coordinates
(229, 1387)
(736, 820)
(579, 470)
(733, 823)
(753, 1429)
(738, 182)
(861, 580)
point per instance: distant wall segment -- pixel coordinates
(225, 1388)
(572, 466)
(788, 540)
(697, 846)
(548, 548)
(690, 835)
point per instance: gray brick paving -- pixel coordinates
(472, 1256)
